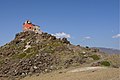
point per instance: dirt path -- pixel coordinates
(87, 73)
(87, 69)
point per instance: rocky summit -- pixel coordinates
(32, 53)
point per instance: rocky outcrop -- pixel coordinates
(31, 53)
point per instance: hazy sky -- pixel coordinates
(84, 22)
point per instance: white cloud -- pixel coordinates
(87, 37)
(116, 36)
(62, 35)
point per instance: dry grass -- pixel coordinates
(100, 74)
(114, 59)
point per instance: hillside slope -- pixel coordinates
(31, 53)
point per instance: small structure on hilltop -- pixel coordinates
(28, 26)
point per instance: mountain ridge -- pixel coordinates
(108, 50)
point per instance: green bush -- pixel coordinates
(20, 56)
(95, 57)
(1, 61)
(105, 63)
(29, 55)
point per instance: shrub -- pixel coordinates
(29, 55)
(1, 61)
(95, 57)
(20, 56)
(105, 63)
(87, 47)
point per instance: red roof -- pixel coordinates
(28, 26)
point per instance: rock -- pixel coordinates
(30, 73)
(60, 72)
(31, 69)
(83, 52)
(35, 67)
(65, 41)
(37, 74)
(46, 70)
(23, 74)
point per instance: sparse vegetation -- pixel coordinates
(29, 55)
(95, 57)
(1, 61)
(105, 63)
(19, 56)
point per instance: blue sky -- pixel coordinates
(92, 23)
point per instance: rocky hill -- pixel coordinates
(31, 53)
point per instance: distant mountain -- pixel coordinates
(109, 50)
